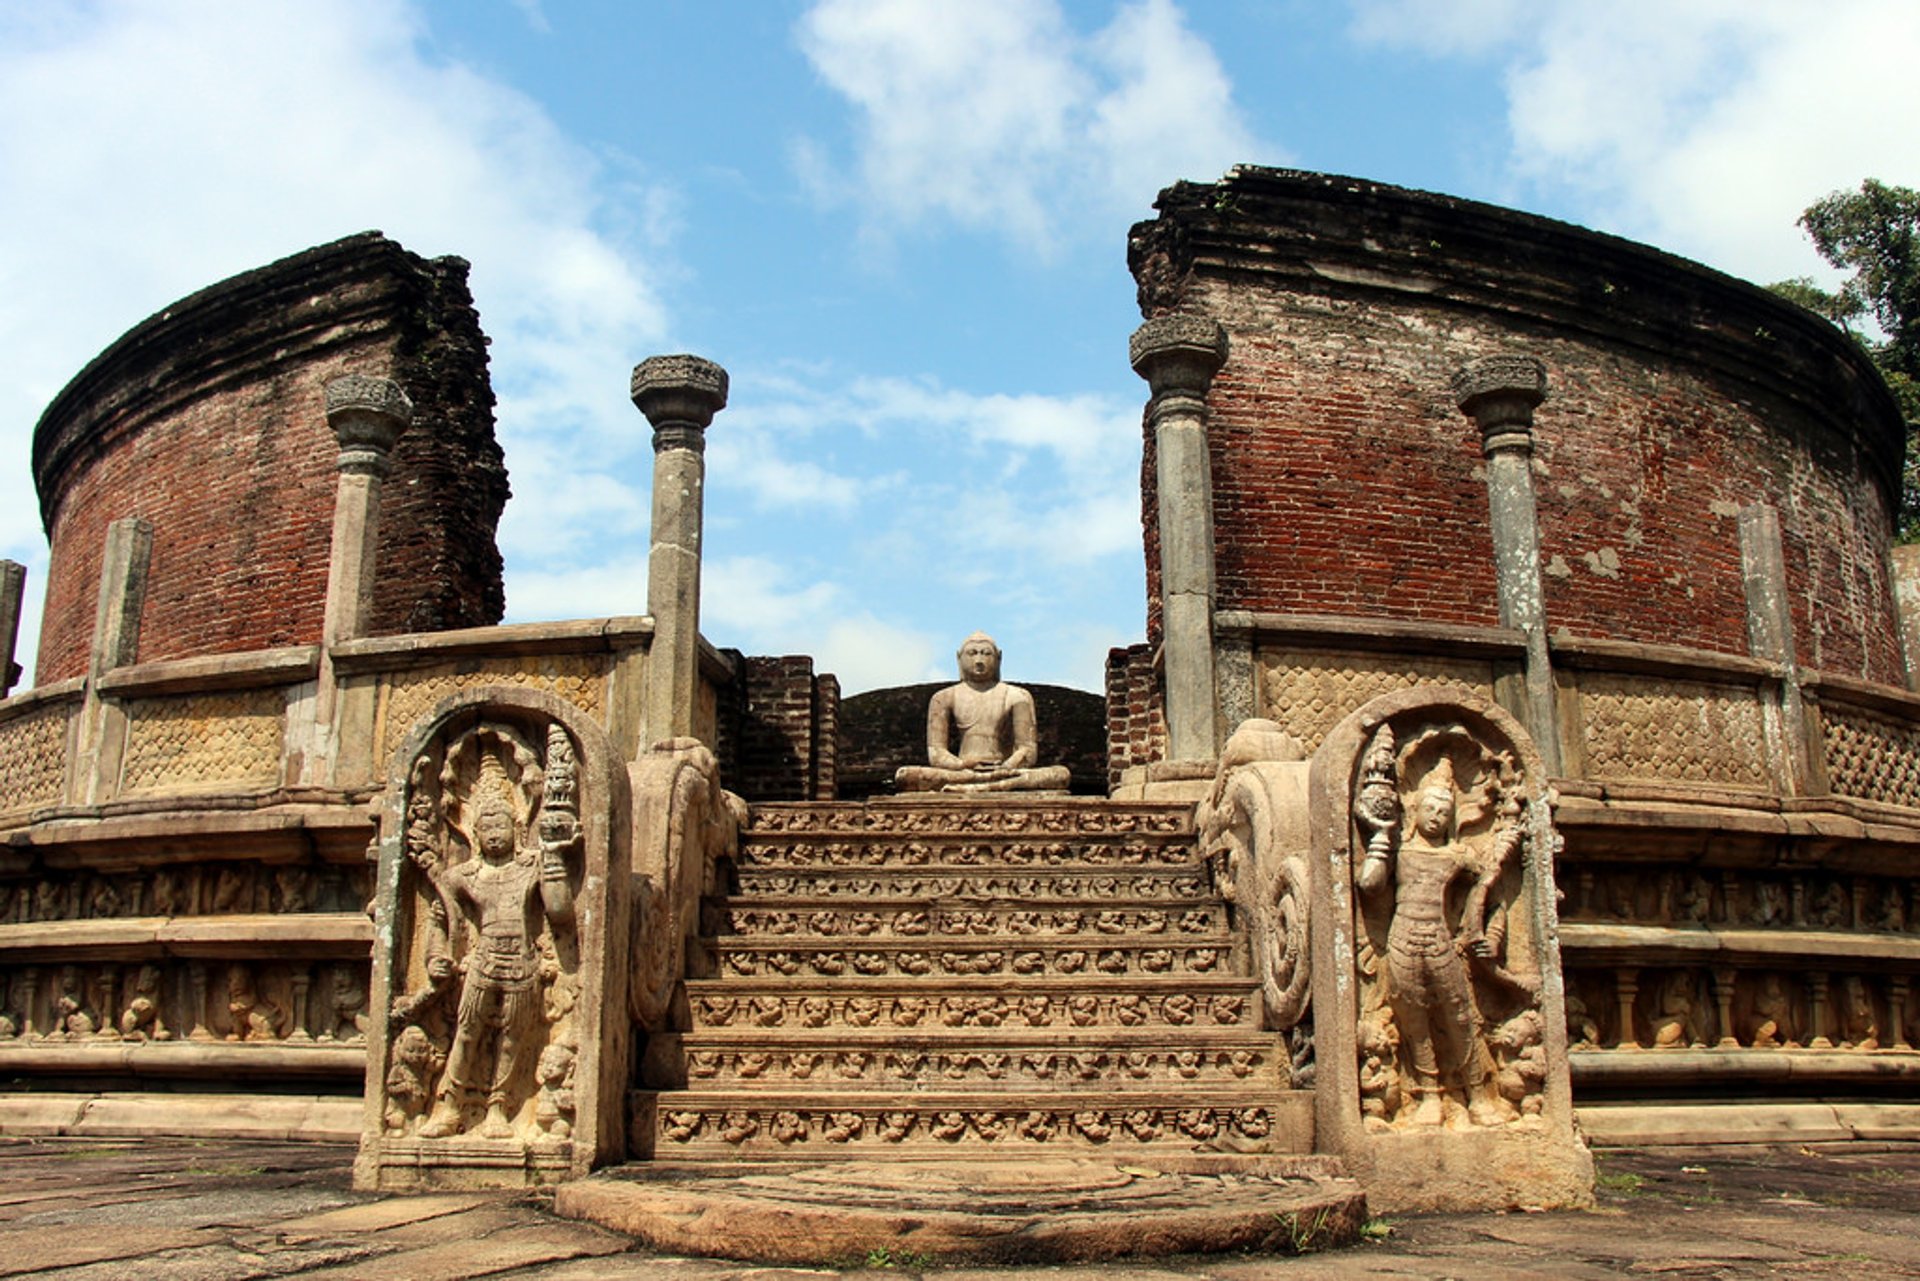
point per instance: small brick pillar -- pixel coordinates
(13, 587)
(1178, 356)
(679, 396)
(367, 416)
(1500, 393)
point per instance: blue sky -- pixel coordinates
(900, 224)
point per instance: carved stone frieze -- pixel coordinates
(579, 679)
(965, 854)
(1008, 820)
(1307, 692)
(199, 740)
(941, 921)
(1647, 728)
(184, 889)
(1871, 756)
(1221, 1005)
(33, 757)
(881, 1126)
(981, 1065)
(171, 1000)
(1028, 888)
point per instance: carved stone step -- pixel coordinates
(975, 816)
(1078, 1207)
(814, 919)
(1039, 888)
(720, 1123)
(1144, 1001)
(1109, 955)
(1158, 1060)
(965, 852)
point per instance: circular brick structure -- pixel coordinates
(1348, 482)
(208, 421)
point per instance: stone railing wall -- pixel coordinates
(1741, 867)
(184, 846)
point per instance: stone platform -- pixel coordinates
(978, 1211)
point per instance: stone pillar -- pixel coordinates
(116, 643)
(679, 395)
(1904, 561)
(1499, 393)
(13, 585)
(367, 415)
(1178, 356)
(1763, 574)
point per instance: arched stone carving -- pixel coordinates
(1441, 1020)
(491, 1056)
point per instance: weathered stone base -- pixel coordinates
(976, 1211)
(1421, 1170)
(1799, 1121)
(414, 1165)
(321, 1118)
(1185, 781)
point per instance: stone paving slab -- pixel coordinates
(73, 1210)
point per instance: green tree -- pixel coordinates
(1875, 233)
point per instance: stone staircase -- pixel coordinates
(932, 979)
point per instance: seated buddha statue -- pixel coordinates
(993, 722)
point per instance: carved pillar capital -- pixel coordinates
(1500, 393)
(1178, 355)
(367, 415)
(679, 395)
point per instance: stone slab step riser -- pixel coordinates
(720, 1125)
(1180, 1002)
(811, 921)
(1063, 887)
(1013, 857)
(1051, 819)
(955, 958)
(1154, 1070)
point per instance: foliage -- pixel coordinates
(1875, 233)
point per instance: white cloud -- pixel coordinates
(175, 142)
(997, 116)
(1704, 128)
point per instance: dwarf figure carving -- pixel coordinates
(250, 1018)
(73, 1014)
(500, 899)
(553, 1108)
(415, 1060)
(143, 1019)
(343, 1006)
(1772, 1015)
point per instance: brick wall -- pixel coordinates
(208, 420)
(777, 736)
(1136, 711)
(1346, 481)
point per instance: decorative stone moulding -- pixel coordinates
(500, 1045)
(1178, 353)
(1440, 1021)
(367, 414)
(1500, 393)
(679, 395)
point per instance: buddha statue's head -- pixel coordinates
(979, 660)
